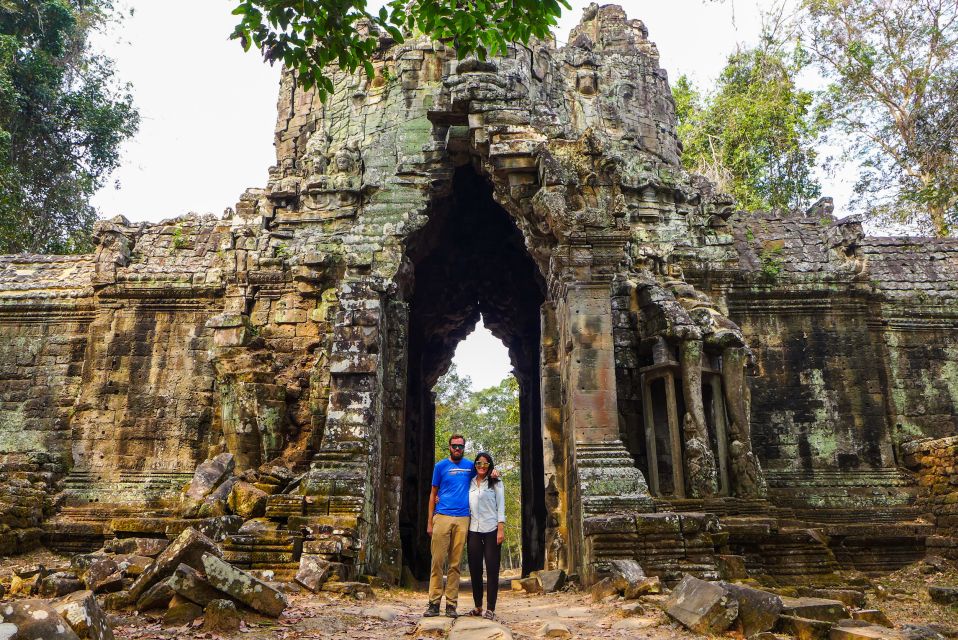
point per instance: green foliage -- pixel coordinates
(309, 35)
(179, 240)
(772, 264)
(754, 136)
(62, 119)
(893, 95)
(489, 419)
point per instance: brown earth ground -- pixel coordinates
(902, 596)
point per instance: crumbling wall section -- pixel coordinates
(936, 463)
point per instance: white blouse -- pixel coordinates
(487, 506)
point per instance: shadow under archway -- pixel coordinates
(470, 260)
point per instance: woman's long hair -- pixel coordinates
(492, 465)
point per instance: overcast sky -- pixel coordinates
(208, 109)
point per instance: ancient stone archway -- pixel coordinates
(470, 260)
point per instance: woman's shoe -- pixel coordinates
(489, 615)
(476, 612)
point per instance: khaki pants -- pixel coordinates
(448, 538)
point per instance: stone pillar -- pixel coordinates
(606, 481)
(553, 444)
(699, 460)
(747, 478)
(344, 480)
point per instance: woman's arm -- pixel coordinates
(501, 513)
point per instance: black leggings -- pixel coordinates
(483, 545)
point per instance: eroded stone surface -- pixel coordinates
(245, 588)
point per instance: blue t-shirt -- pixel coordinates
(452, 480)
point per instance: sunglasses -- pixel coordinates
(457, 446)
(482, 465)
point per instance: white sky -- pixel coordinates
(208, 110)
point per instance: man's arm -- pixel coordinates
(433, 499)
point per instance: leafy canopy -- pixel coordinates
(489, 419)
(62, 119)
(754, 136)
(893, 95)
(309, 35)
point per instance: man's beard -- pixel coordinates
(456, 455)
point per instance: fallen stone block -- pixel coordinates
(921, 632)
(701, 606)
(358, 590)
(59, 584)
(529, 585)
(632, 609)
(24, 586)
(868, 632)
(943, 595)
(874, 616)
(181, 612)
(33, 619)
(758, 610)
(118, 601)
(188, 548)
(551, 581)
(626, 573)
(221, 616)
(436, 627)
(815, 609)
(573, 612)
(134, 566)
(554, 629)
(634, 624)
(208, 475)
(803, 628)
(247, 501)
(189, 583)
(243, 587)
(156, 597)
(603, 589)
(84, 615)
(468, 628)
(149, 547)
(313, 571)
(645, 586)
(849, 597)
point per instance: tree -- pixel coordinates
(62, 119)
(309, 35)
(893, 95)
(489, 420)
(754, 136)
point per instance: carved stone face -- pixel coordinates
(344, 161)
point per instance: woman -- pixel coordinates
(487, 520)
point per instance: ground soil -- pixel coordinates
(902, 596)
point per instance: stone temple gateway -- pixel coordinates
(695, 382)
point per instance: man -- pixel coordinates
(448, 523)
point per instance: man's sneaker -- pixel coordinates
(451, 611)
(432, 610)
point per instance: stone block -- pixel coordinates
(468, 628)
(873, 616)
(148, 547)
(358, 590)
(731, 567)
(190, 583)
(33, 619)
(603, 589)
(436, 627)
(803, 628)
(156, 597)
(188, 548)
(554, 629)
(815, 609)
(943, 595)
(181, 612)
(645, 586)
(757, 610)
(702, 606)
(552, 580)
(626, 573)
(221, 617)
(59, 584)
(870, 632)
(208, 475)
(243, 587)
(84, 615)
(247, 501)
(313, 571)
(529, 585)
